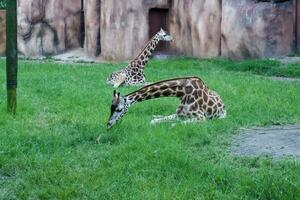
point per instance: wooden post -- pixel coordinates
(298, 25)
(11, 56)
(82, 25)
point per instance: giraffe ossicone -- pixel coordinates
(133, 73)
(198, 102)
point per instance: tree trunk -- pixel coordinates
(11, 55)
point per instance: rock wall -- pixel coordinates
(92, 27)
(2, 32)
(124, 27)
(254, 29)
(238, 29)
(194, 24)
(47, 27)
(196, 27)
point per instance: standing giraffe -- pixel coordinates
(133, 74)
(198, 102)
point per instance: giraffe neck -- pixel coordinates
(145, 54)
(169, 88)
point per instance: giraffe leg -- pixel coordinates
(192, 117)
(192, 120)
(119, 80)
(170, 118)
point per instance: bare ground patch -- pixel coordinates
(274, 141)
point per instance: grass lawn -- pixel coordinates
(49, 151)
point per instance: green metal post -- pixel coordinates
(11, 55)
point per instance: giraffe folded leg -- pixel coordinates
(170, 118)
(188, 118)
(119, 80)
(191, 120)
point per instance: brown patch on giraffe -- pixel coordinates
(167, 93)
(191, 100)
(210, 103)
(215, 109)
(163, 87)
(194, 107)
(200, 101)
(173, 84)
(179, 87)
(148, 97)
(179, 93)
(179, 109)
(195, 94)
(153, 89)
(205, 97)
(188, 89)
(157, 94)
(144, 95)
(138, 98)
(184, 100)
(209, 111)
(194, 84)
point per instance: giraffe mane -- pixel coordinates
(142, 51)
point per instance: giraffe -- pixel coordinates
(133, 73)
(198, 102)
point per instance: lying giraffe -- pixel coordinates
(198, 102)
(133, 74)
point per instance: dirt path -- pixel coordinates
(275, 141)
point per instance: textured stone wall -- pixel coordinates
(124, 27)
(47, 27)
(238, 29)
(196, 27)
(92, 44)
(194, 24)
(253, 29)
(2, 32)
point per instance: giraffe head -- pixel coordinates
(118, 108)
(162, 35)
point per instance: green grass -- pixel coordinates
(262, 67)
(49, 150)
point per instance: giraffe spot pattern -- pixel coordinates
(197, 100)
